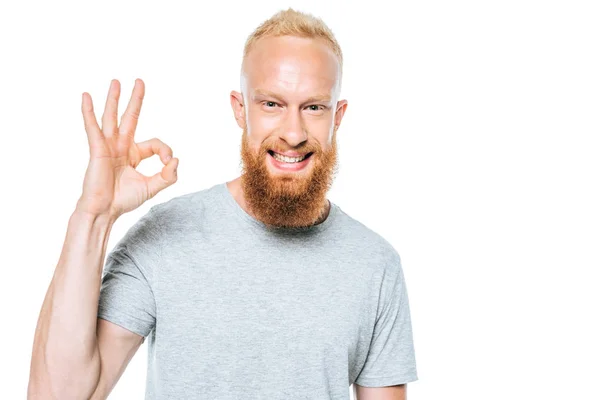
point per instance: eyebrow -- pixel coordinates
(317, 98)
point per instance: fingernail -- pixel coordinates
(168, 158)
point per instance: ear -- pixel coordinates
(339, 113)
(237, 105)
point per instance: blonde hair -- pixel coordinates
(295, 23)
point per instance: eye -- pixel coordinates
(268, 103)
(315, 107)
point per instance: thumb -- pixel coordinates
(163, 179)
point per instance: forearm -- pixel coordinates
(65, 359)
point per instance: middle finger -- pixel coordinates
(109, 117)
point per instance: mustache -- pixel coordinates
(305, 148)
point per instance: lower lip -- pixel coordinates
(297, 166)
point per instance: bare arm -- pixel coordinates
(66, 361)
(75, 355)
(396, 392)
(117, 347)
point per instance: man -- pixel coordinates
(258, 288)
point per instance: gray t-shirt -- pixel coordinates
(234, 309)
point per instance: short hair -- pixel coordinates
(295, 23)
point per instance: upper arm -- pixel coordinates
(116, 347)
(126, 306)
(396, 392)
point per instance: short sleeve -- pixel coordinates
(126, 296)
(391, 355)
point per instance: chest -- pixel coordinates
(273, 310)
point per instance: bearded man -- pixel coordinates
(257, 288)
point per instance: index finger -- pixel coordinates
(153, 146)
(89, 119)
(132, 112)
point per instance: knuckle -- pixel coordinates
(134, 114)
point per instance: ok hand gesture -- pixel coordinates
(112, 186)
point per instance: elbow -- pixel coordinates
(50, 383)
(47, 390)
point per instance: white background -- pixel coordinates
(470, 142)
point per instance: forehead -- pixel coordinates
(291, 67)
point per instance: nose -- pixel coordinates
(293, 131)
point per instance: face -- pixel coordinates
(289, 114)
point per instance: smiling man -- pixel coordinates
(257, 288)
(289, 116)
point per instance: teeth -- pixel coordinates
(286, 159)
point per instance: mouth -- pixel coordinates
(287, 163)
(287, 159)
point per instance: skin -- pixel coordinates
(396, 392)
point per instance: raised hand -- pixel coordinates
(112, 186)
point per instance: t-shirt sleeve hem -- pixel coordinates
(124, 321)
(391, 380)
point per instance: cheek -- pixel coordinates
(321, 128)
(258, 132)
(256, 140)
(263, 122)
(324, 139)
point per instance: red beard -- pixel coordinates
(287, 200)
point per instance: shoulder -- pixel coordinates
(188, 215)
(184, 208)
(367, 244)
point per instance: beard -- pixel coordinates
(288, 199)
